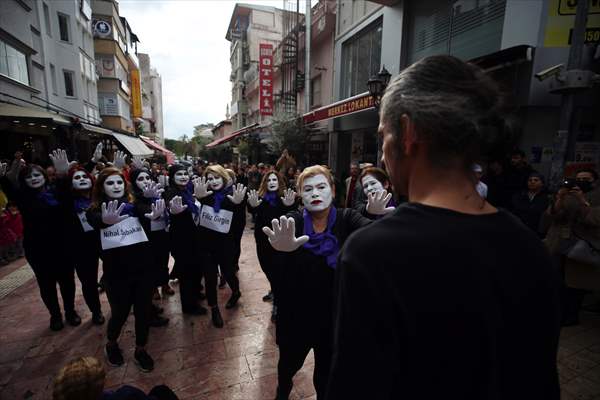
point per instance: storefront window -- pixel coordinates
(361, 59)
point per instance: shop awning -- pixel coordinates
(351, 105)
(134, 145)
(170, 156)
(13, 111)
(96, 129)
(232, 135)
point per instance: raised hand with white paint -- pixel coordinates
(152, 190)
(120, 159)
(163, 180)
(377, 203)
(111, 213)
(3, 169)
(239, 192)
(253, 199)
(289, 198)
(60, 161)
(97, 153)
(137, 162)
(201, 188)
(283, 235)
(158, 210)
(176, 205)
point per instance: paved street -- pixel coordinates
(199, 361)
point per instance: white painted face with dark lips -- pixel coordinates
(181, 177)
(80, 181)
(214, 181)
(316, 193)
(35, 179)
(114, 186)
(371, 185)
(272, 183)
(142, 181)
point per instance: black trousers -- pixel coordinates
(291, 359)
(238, 249)
(161, 266)
(124, 293)
(86, 266)
(265, 254)
(224, 257)
(48, 273)
(190, 274)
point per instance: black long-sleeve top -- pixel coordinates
(44, 227)
(305, 296)
(437, 304)
(184, 234)
(265, 213)
(133, 261)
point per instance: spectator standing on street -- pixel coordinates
(353, 187)
(448, 277)
(529, 205)
(517, 173)
(481, 187)
(285, 162)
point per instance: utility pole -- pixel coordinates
(565, 138)
(307, 34)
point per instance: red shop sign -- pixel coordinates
(360, 102)
(266, 78)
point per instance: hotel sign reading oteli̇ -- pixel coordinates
(265, 73)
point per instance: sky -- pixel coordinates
(186, 43)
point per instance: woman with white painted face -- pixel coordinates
(187, 250)
(375, 182)
(74, 189)
(146, 192)
(127, 261)
(307, 245)
(271, 201)
(221, 206)
(44, 238)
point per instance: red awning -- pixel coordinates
(351, 105)
(170, 156)
(232, 135)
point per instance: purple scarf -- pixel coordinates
(271, 198)
(323, 244)
(129, 209)
(81, 204)
(188, 198)
(220, 196)
(47, 196)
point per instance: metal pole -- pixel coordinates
(307, 35)
(564, 141)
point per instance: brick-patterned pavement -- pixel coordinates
(199, 361)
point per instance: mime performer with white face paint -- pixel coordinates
(74, 188)
(126, 261)
(272, 200)
(308, 243)
(44, 238)
(375, 182)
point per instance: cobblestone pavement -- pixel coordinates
(197, 360)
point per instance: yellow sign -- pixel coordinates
(561, 18)
(136, 94)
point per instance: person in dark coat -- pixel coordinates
(188, 252)
(44, 237)
(447, 297)
(125, 262)
(529, 205)
(271, 201)
(75, 190)
(307, 245)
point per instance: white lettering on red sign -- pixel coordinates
(265, 73)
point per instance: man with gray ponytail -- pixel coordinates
(447, 297)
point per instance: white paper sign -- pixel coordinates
(84, 224)
(125, 233)
(219, 222)
(158, 224)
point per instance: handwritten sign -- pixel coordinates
(219, 222)
(125, 233)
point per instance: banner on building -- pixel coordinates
(265, 73)
(136, 94)
(561, 18)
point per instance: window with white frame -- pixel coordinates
(69, 78)
(47, 20)
(64, 27)
(13, 63)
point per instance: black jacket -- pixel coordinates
(186, 245)
(265, 213)
(305, 296)
(530, 211)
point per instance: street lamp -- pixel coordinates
(378, 83)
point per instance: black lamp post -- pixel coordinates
(378, 83)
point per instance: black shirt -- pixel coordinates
(436, 304)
